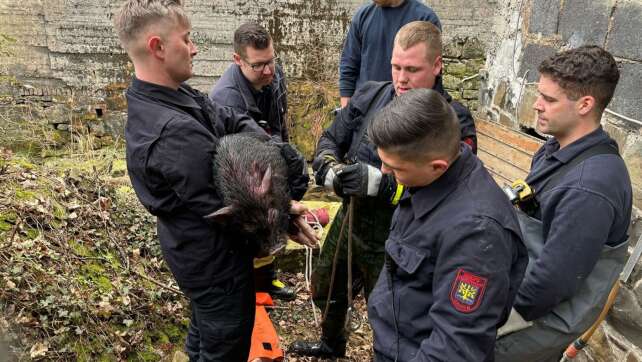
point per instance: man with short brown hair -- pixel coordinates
(454, 256)
(172, 132)
(368, 46)
(254, 84)
(576, 225)
(346, 162)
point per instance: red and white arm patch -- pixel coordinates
(467, 291)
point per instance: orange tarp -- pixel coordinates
(265, 341)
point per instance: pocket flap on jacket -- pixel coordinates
(405, 256)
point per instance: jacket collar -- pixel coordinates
(180, 97)
(246, 89)
(425, 199)
(566, 154)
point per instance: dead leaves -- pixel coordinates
(66, 288)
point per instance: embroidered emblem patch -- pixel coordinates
(467, 291)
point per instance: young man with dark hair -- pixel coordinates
(582, 209)
(368, 46)
(172, 132)
(255, 85)
(346, 162)
(454, 256)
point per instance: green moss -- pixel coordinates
(59, 138)
(78, 248)
(455, 69)
(5, 226)
(59, 211)
(32, 233)
(160, 338)
(96, 274)
(148, 355)
(75, 166)
(22, 163)
(113, 260)
(9, 216)
(107, 357)
(25, 195)
(118, 168)
(175, 333)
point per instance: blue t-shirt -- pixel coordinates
(368, 46)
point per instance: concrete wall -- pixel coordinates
(536, 29)
(71, 43)
(64, 56)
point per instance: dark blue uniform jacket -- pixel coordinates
(368, 46)
(343, 133)
(588, 208)
(457, 261)
(268, 107)
(171, 137)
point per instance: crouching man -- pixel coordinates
(454, 257)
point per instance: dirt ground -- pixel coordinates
(295, 320)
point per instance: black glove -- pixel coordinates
(297, 170)
(358, 179)
(323, 166)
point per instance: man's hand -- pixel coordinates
(344, 101)
(358, 179)
(302, 232)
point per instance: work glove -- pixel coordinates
(357, 179)
(297, 170)
(325, 169)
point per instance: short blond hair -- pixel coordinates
(136, 16)
(417, 32)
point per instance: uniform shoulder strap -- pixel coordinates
(598, 149)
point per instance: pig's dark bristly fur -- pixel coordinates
(251, 176)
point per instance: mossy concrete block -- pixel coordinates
(473, 48)
(456, 69)
(450, 81)
(471, 84)
(470, 94)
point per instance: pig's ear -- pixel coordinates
(272, 215)
(222, 215)
(266, 182)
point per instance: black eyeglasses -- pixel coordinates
(260, 67)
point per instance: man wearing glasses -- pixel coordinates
(255, 85)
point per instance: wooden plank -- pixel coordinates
(500, 167)
(518, 140)
(507, 152)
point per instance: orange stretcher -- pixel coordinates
(265, 341)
